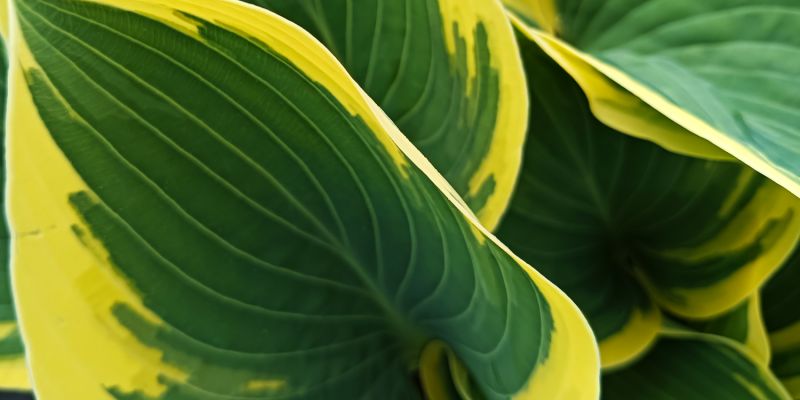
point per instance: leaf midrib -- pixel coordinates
(415, 339)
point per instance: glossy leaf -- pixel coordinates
(223, 213)
(690, 366)
(626, 227)
(725, 70)
(781, 297)
(446, 71)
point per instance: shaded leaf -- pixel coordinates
(744, 324)
(694, 366)
(626, 227)
(781, 296)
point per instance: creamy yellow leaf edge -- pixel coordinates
(632, 341)
(64, 293)
(623, 111)
(757, 337)
(13, 370)
(617, 107)
(690, 135)
(675, 332)
(504, 157)
(770, 202)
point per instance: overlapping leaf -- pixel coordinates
(743, 324)
(781, 297)
(222, 213)
(725, 70)
(626, 227)
(446, 71)
(690, 366)
(786, 365)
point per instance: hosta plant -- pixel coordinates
(401, 199)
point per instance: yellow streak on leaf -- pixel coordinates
(266, 384)
(638, 334)
(770, 204)
(76, 338)
(504, 157)
(785, 339)
(757, 339)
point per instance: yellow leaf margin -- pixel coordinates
(76, 347)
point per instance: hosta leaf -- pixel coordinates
(744, 324)
(626, 227)
(222, 213)
(786, 365)
(690, 366)
(446, 71)
(615, 106)
(781, 297)
(13, 373)
(726, 70)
